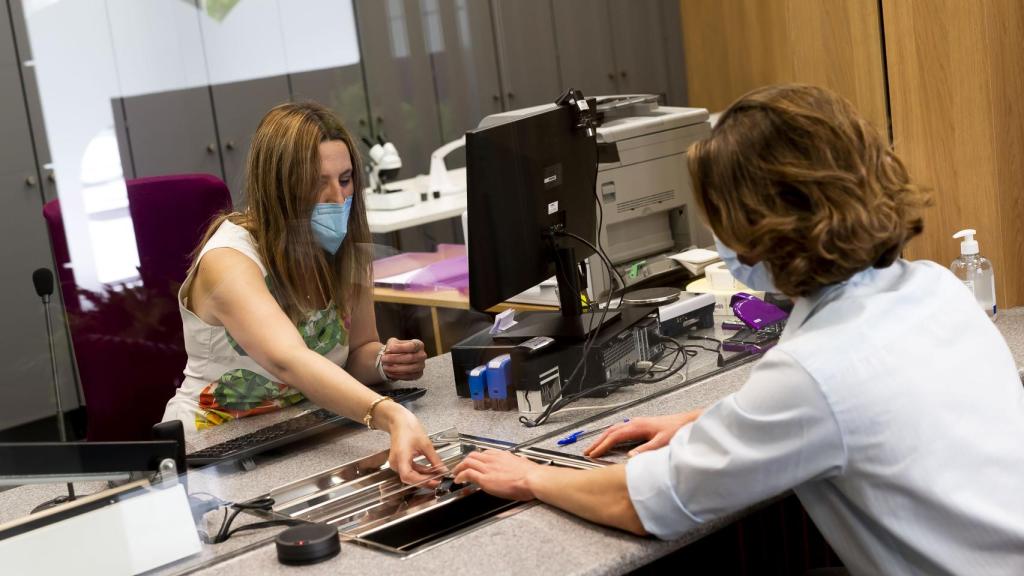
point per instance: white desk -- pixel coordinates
(431, 210)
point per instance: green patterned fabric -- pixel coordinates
(234, 344)
(242, 389)
(323, 331)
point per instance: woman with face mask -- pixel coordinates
(891, 405)
(277, 305)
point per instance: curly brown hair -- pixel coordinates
(794, 176)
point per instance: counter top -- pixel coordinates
(539, 536)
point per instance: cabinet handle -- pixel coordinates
(51, 177)
(362, 121)
(380, 120)
(495, 97)
(210, 148)
(623, 73)
(511, 95)
(230, 144)
(30, 181)
(611, 75)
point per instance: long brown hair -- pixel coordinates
(281, 189)
(794, 176)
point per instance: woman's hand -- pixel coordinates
(655, 432)
(403, 359)
(499, 473)
(408, 441)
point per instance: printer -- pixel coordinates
(644, 188)
(645, 192)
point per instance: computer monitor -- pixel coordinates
(530, 184)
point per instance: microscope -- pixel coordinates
(384, 165)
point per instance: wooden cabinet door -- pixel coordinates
(341, 89)
(172, 133)
(527, 52)
(639, 46)
(465, 64)
(238, 108)
(585, 57)
(399, 82)
(25, 377)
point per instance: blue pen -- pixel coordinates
(581, 434)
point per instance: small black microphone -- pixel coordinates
(42, 278)
(43, 281)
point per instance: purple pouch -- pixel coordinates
(756, 313)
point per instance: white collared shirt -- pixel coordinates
(891, 406)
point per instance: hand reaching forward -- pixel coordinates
(655, 432)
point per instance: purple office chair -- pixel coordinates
(110, 358)
(128, 341)
(170, 214)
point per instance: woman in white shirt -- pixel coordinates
(891, 405)
(277, 305)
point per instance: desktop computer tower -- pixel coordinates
(614, 354)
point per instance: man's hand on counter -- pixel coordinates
(600, 495)
(654, 432)
(498, 472)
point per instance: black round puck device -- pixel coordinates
(651, 296)
(307, 544)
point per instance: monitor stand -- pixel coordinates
(558, 326)
(571, 323)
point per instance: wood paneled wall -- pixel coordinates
(733, 46)
(950, 90)
(956, 85)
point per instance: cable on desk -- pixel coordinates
(681, 351)
(592, 336)
(264, 504)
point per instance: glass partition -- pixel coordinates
(150, 114)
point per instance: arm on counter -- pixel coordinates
(600, 496)
(775, 433)
(654, 432)
(233, 294)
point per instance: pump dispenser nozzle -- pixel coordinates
(969, 245)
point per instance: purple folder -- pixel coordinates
(450, 273)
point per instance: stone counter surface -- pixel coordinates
(538, 538)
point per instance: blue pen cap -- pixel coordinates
(478, 383)
(499, 373)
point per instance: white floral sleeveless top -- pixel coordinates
(221, 381)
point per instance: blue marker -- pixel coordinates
(581, 434)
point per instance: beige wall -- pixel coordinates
(733, 46)
(956, 89)
(952, 79)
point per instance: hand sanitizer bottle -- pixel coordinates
(975, 272)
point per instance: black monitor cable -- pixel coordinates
(263, 504)
(591, 337)
(680, 351)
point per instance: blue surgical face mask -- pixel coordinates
(330, 224)
(756, 277)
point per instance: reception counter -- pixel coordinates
(539, 538)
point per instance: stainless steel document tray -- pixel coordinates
(369, 505)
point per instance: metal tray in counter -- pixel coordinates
(369, 505)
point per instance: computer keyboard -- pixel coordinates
(285, 432)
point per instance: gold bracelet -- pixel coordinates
(368, 419)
